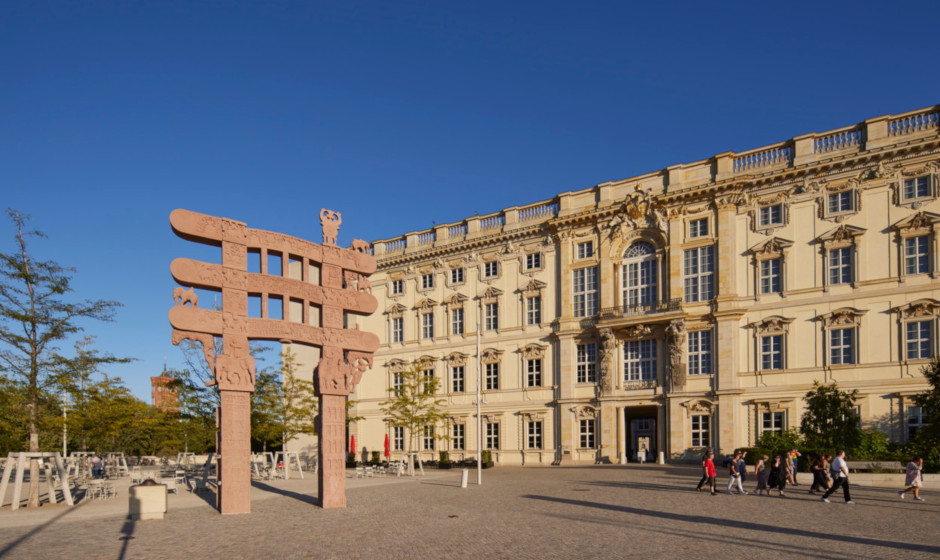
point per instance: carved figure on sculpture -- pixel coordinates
(360, 245)
(208, 347)
(676, 335)
(640, 211)
(182, 297)
(330, 222)
(608, 351)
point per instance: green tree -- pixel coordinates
(926, 442)
(777, 442)
(300, 403)
(267, 410)
(33, 318)
(412, 404)
(830, 420)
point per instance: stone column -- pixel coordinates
(332, 445)
(621, 436)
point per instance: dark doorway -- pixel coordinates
(641, 433)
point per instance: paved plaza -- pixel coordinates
(645, 511)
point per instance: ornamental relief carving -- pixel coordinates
(772, 248)
(533, 352)
(533, 288)
(698, 407)
(730, 200)
(844, 317)
(772, 325)
(920, 309)
(396, 310)
(638, 211)
(456, 359)
(584, 412)
(490, 356)
(637, 332)
(396, 366)
(455, 300)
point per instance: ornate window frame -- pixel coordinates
(423, 307)
(839, 319)
(917, 311)
(697, 217)
(422, 285)
(492, 356)
(489, 296)
(853, 186)
(844, 236)
(490, 260)
(450, 275)
(659, 266)
(451, 303)
(533, 417)
(456, 359)
(920, 224)
(393, 280)
(533, 288)
(396, 311)
(700, 407)
(773, 248)
(775, 325)
(529, 352)
(929, 171)
(768, 406)
(759, 204)
(395, 367)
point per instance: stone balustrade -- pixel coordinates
(878, 132)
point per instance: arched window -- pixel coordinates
(639, 275)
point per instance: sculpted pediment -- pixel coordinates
(396, 309)
(920, 220)
(772, 246)
(844, 232)
(425, 303)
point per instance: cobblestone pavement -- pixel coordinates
(552, 512)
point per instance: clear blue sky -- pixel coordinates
(396, 114)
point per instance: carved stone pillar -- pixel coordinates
(608, 365)
(676, 339)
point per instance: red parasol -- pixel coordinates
(352, 444)
(386, 446)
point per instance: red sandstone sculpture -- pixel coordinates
(345, 354)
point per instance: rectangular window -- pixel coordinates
(398, 329)
(428, 438)
(427, 281)
(771, 215)
(698, 268)
(701, 432)
(698, 228)
(771, 352)
(919, 340)
(535, 435)
(916, 255)
(456, 276)
(533, 261)
(457, 433)
(587, 362)
(491, 316)
(842, 347)
(491, 377)
(398, 287)
(585, 292)
(840, 266)
(841, 202)
(586, 250)
(770, 276)
(398, 438)
(534, 373)
(700, 353)
(639, 360)
(428, 384)
(491, 269)
(916, 419)
(427, 325)
(533, 310)
(457, 379)
(492, 435)
(772, 422)
(586, 430)
(398, 382)
(456, 321)
(916, 188)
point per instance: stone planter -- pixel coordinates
(147, 501)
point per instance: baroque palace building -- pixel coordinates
(687, 308)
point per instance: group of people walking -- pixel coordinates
(829, 474)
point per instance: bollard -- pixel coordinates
(463, 478)
(662, 458)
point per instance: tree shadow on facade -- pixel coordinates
(743, 525)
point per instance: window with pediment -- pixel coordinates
(840, 200)
(841, 328)
(917, 237)
(918, 321)
(640, 275)
(770, 336)
(915, 186)
(768, 258)
(840, 254)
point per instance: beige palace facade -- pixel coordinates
(687, 308)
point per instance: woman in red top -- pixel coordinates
(710, 471)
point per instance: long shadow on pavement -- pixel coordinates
(739, 524)
(36, 530)
(296, 495)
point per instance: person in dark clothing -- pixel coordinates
(778, 476)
